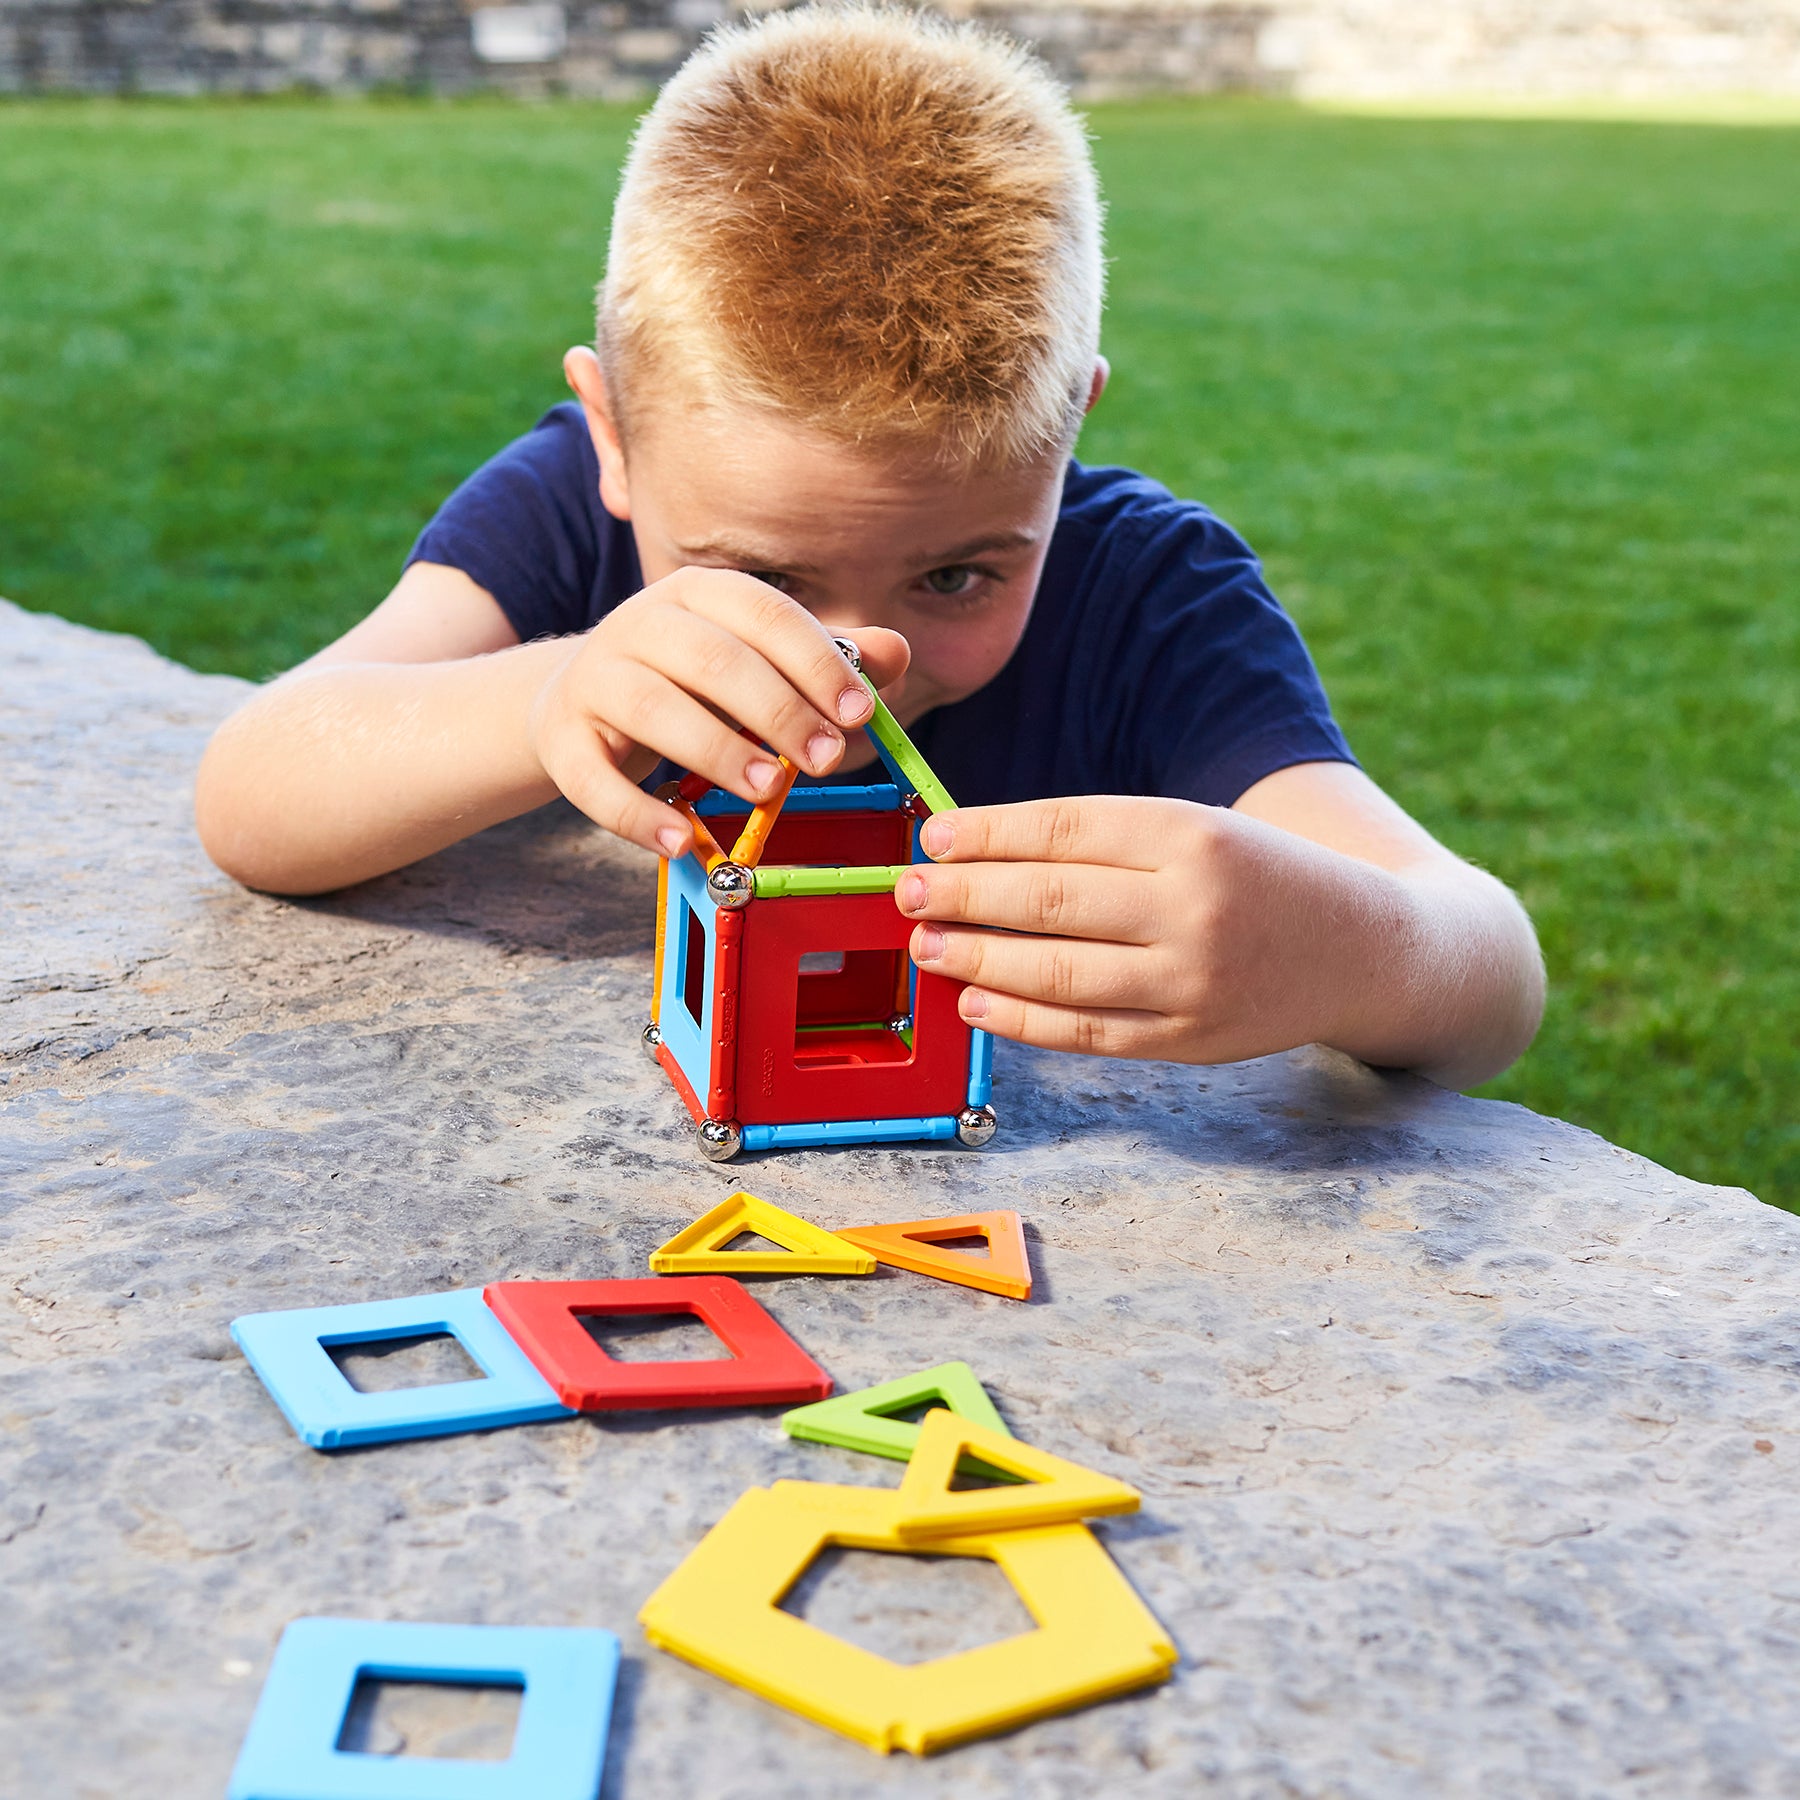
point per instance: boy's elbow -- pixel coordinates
(1508, 988)
(235, 823)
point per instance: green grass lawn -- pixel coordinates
(1511, 408)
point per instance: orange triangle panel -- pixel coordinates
(1053, 1491)
(913, 1245)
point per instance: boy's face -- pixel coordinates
(951, 562)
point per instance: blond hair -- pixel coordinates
(881, 225)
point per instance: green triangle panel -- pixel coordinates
(864, 1420)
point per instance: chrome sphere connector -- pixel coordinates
(850, 653)
(975, 1125)
(719, 1140)
(652, 1041)
(900, 1022)
(731, 885)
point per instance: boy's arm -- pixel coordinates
(1314, 911)
(429, 721)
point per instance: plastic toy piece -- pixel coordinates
(806, 1249)
(721, 1610)
(877, 878)
(785, 996)
(981, 1067)
(865, 1420)
(848, 1131)
(1007, 1269)
(817, 1047)
(753, 839)
(765, 1366)
(559, 1744)
(288, 1351)
(880, 796)
(706, 846)
(721, 1089)
(899, 751)
(663, 915)
(1056, 1491)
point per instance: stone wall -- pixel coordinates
(622, 48)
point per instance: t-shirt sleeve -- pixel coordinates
(1224, 689)
(524, 527)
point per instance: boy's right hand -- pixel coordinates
(672, 671)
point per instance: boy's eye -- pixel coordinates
(773, 577)
(959, 578)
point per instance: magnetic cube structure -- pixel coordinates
(786, 1009)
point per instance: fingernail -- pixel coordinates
(759, 774)
(934, 837)
(853, 704)
(928, 944)
(672, 840)
(821, 747)
(974, 1004)
(912, 893)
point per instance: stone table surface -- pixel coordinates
(1467, 1441)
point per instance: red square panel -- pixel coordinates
(766, 1368)
(774, 1087)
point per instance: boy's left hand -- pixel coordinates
(1127, 927)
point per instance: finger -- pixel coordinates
(1119, 831)
(1075, 900)
(1059, 971)
(1090, 1031)
(785, 633)
(705, 658)
(885, 654)
(573, 759)
(664, 717)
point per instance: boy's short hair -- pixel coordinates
(881, 225)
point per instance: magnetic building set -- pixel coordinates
(785, 1008)
(721, 1607)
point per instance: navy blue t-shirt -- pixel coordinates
(1156, 661)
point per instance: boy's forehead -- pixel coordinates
(757, 493)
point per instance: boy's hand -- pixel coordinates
(661, 676)
(1151, 928)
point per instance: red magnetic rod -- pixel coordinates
(766, 1366)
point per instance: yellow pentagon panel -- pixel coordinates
(806, 1249)
(1052, 1491)
(722, 1611)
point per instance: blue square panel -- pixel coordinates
(559, 1744)
(289, 1350)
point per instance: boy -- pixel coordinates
(847, 334)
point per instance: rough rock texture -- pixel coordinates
(1467, 1442)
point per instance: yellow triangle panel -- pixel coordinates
(1006, 1269)
(722, 1611)
(1053, 1493)
(805, 1249)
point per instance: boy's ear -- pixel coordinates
(582, 370)
(1097, 387)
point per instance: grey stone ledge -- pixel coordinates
(1467, 1441)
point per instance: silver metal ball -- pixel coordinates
(975, 1125)
(652, 1040)
(851, 654)
(719, 1140)
(900, 1022)
(731, 886)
